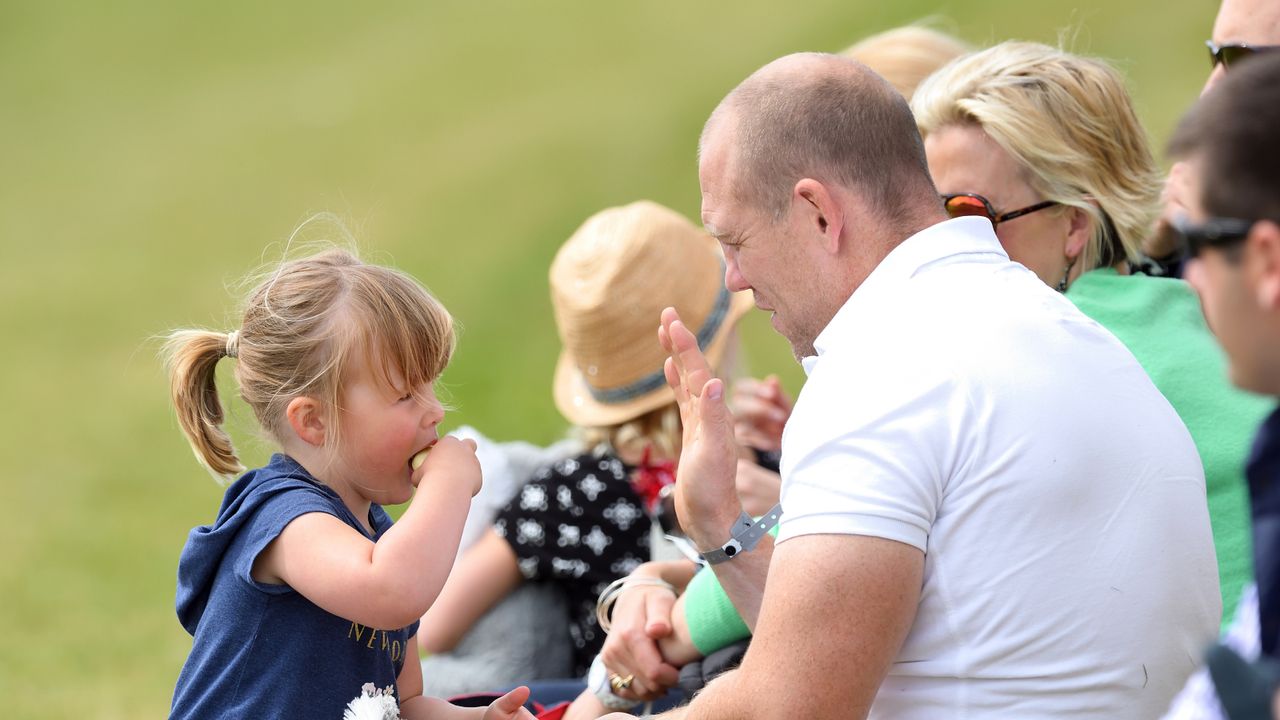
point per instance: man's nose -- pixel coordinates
(733, 279)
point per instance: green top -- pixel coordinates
(1160, 321)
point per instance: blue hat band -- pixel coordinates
(655, 380)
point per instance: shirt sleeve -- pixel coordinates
(285, 504)
(872, 450)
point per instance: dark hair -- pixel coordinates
(1234, 130)
(837, 123)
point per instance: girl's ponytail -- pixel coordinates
(191, 357)
(302, 325)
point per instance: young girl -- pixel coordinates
(302, 591)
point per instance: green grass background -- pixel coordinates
(154, 153)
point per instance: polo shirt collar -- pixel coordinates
(945, 240)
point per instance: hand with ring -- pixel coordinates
(620, 683)
(642, 617)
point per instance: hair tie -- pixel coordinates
(233, 344)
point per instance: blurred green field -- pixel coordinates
(156, 152)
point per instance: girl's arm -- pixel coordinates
(416, 706)
(485, 574)
(391, 583)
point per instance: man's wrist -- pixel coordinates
(715, 529)
(746, 534)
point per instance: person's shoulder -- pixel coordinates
(291, 482)
(884, 356)
(279, 491)
(1158, 319)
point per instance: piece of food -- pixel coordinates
(418, 459)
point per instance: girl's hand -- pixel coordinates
(451, 462)
(511, 705)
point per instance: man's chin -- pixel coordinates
(800, 353)
(800, 347)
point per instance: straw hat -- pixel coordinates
(609, 285)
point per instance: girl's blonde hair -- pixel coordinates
(1069, 122)
(906, 55)
(302, 327)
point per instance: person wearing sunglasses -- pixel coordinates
(1047, 146)
(1242, 30)
(1230, 237)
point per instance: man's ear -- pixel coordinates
(306, 417)
(1079, 232)
(820, 211)
(1262, 255)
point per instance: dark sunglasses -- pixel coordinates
(1214, 232)
(974, 205)
(1232, 53)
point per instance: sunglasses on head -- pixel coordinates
(1232, 53)
(1193, 238)
(974, 205)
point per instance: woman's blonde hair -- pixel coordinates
(302, 327)
(906, 55)
(657, 430)
(1069, 122)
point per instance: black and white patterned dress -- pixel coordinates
(578, 523)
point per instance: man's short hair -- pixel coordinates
(1235, 131)
(839, 123)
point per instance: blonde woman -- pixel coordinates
(1047, 146)
(586, 520)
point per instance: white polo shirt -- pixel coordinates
(959, 405)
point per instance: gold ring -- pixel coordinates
(619, 683)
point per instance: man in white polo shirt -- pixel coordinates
(988, 509)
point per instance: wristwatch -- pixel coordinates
(598, 684)
(743, 536)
